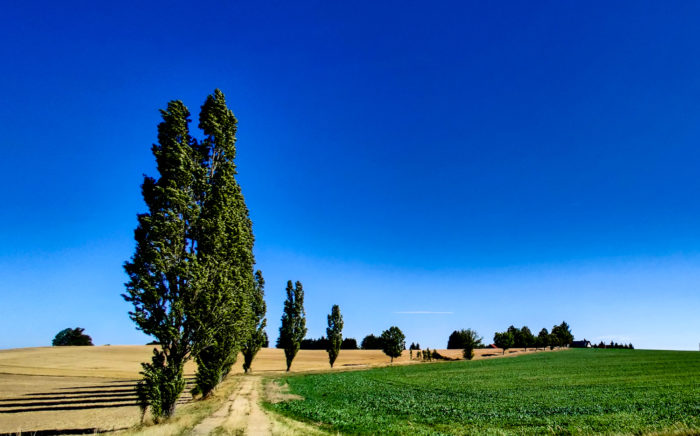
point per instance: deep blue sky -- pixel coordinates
(507, 163)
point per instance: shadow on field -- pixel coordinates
(106, 395)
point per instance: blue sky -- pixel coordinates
(510, 163)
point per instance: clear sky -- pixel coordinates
(494, 162)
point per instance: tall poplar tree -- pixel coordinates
(225, 244)
(163, 273)
(191, 277)
(256, 340)
(293, 327)
(334, 333)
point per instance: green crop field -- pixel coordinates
(568, 392)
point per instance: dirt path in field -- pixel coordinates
(242, 414)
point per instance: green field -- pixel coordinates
(569, 392)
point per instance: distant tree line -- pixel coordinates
(614, 345)
(322, 343)
(515, 337)
(371, 342)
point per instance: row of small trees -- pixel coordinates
(468, 340)
(322, 344)
(293, 330)
(523, 338)
(614, 345)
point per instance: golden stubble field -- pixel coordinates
(86, 389)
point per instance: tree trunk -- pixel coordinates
(170, 412)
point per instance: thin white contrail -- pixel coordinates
(425, 312)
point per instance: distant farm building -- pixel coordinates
(581, 344)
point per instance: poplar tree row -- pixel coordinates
(191, 279)
(293, 328)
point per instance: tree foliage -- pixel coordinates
(562, 334)
(293, 328)
(224, 247)
(322, 344)
(459, 339)
(554, 341)
(258, 338)
(526, 338)
(393, 342)
(191, 277)
(371, 342)
(164, 273)
(542, 340)
(515, 337)
(71, 336)
(349, 344)
(470, 340)
(334, 333)
(504, 340)
(311, 344)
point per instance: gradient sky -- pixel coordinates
(495, 162)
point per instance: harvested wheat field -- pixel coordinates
(88, 389)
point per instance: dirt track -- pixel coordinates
(242, 412)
